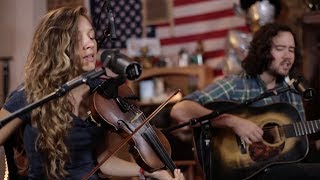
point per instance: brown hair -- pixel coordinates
(51, 62)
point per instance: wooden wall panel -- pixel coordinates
(54, 4)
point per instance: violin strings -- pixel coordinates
(153, 138)
(160, 149)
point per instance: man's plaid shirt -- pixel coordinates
(241, 88)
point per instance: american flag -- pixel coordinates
(127, 18)
(207, 21)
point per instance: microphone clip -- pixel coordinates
(302, 88)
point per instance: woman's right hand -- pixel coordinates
(178, 175)
(164, 175)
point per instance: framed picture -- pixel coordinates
(157, 12)
(135, 45)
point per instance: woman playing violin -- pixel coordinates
(59, 141)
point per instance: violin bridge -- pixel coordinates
(136, 117)
(92, 119)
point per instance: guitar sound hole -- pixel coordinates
(271, 133)
(272, 145)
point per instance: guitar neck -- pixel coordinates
(301, 128)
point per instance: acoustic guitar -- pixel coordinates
(284, 141)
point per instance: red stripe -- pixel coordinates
(244, 28)
(184, 2)
(213, 54)
(201, 17)
(198, 37)
(217, 72)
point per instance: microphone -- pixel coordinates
(112, 26)
(121, 64)
(302, 87)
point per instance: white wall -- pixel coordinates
(18, 20)
(7, 27)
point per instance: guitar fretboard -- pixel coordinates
(301, 128)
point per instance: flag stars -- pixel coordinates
(132, 13)
(127, 14)
(103, 26)
(103, 15)
(118, 44)
(133, 25)
(99, 33)
(118, 32)
(128, 32)
(121, 2)
(127, 20)
(122, 26)
(137, 18)
(127, 8)
(97, 10)
(138, 30)
(137, 7)
(117, 20)
(123, 38)
(122, 14)
(117, 9)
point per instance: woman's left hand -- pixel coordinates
(164, 175)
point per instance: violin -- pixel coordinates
(113, 106)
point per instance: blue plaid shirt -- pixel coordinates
(241, 88)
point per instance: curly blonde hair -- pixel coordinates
(52, 62)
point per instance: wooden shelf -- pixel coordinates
(203, 73)
(312, 17)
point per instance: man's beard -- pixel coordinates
(279, 77)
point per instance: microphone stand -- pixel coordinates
(61, 91)
(206, 130)
(110, 32)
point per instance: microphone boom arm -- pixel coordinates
(61, 91)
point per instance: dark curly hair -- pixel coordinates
(259, 57)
